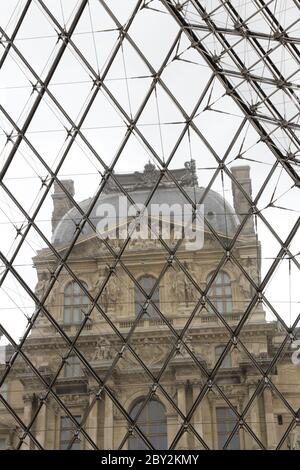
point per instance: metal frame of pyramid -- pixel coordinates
(217, 45)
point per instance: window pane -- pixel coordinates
(67, 300)
(67, 429)
(227, 359)
(76, 288)
(74, 302)
(152, 421)
(226, 420)
(220, 293)
(77, 315)
(68, 315)
(4, 390)
(2, 444)
(72, 367)
(147, 283)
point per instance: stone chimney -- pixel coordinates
(61, 202)
(241, 204)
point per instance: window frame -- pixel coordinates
(63, 444)
(4, 440)
(227, 361)
(159, 440)
(228, 422)
(220, 293)
(4, 390)
(75, 301)
(72, 367)
(140, 299)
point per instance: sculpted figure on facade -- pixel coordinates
(104, 298)
(111, 291)
(103, 350)
(245, 286)
(181, 350)
(178, 286)
(183, 289)
(40, 288)
(113, 288)
(293, 440)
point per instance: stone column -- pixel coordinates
(92, 423)
(172, 426)
(41, 425)
(210, 425)
(181, 403)
(108, 423)
(269, 417)
(254, 415)
(27, 416)
(197, 417)
(53, 424)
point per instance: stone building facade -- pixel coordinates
(99, 315)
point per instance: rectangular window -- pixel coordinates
(72, 367)
(67, 429)
(226, 420)
(4, 393)
(3, 444)
(226, 363)
(2, 354)
(279, 420)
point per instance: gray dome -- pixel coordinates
(219, 213)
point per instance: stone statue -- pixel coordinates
(102, 350)
(191, 291)
(114, 289)
(104, 297)
(189, 342)
(41, 286)
(178, 286)
(183, 289)
(245, 286)
(293, 440)
(149, 176)
(190, 176)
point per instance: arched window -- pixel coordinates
(76, 303)
(147, 283)
(153, 423)
(220, 293)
